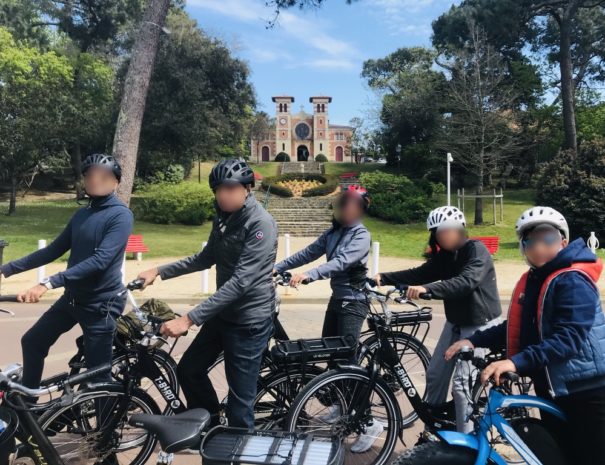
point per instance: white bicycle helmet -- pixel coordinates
(535, 216)
(445, 216)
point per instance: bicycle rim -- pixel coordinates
(344, 389)
(75, 430)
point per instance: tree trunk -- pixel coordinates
(12, 205)
(136, 84)
(479, 200)
(76, 165)
(567, 84)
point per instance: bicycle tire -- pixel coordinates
(276, 393)
(337, 383)
(406, 345)
(72, 428)
(438, 453)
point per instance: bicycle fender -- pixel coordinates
(469, 441)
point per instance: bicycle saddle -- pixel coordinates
(175, 432)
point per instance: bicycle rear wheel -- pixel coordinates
(76, 430)
(328, 406)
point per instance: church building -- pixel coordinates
(303, 136)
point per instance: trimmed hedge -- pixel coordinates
(329, 184)
(185, 203)
(398, 198)
(282, 156)
(320, 157)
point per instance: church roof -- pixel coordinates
(320, 96)
(282, 96)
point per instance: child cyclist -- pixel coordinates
(461, 272)
(555, 332)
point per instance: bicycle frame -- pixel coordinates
(479, 439)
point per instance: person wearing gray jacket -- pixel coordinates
(237, 320)
(346, 246)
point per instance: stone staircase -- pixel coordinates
(301, 216)
(301, 167)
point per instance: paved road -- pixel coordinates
(301, 320)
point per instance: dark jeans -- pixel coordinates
(243, 347)
(582, 437)
(98, 323)
(345, 318)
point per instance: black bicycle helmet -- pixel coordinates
(104, 161)
(231, 171)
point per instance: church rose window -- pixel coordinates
(302, 130)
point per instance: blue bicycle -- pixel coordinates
(505, 432)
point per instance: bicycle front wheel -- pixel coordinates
(345, 402)
(94, 428)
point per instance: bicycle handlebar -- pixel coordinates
(11, 386)
(8, 298)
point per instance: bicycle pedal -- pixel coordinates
(164, 458)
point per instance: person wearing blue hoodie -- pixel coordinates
(555, 333)
(96, 237)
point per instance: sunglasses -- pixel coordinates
(547, 239)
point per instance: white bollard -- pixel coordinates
(287, 238)
(593, 242)
(375, 257)
(205, 288)
(41, 269)
(287, 251)
(123, 270)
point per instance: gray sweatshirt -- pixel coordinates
(346, 250)
(243, 247)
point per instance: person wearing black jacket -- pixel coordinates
(238, 319)
(461, 272)
(96, 237)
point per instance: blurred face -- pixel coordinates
(231, 197)
(99, 182)
(350, 210)
(450, 238)
(540, 247)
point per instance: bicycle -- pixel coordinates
(91, 422)
(363, 395)
(506, 413)
(292, 364)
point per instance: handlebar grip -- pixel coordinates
(426, 296)
(510, 376)
(8, 298)
(136, 284)
(88, 374)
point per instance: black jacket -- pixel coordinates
(465, 280)
(243, 247)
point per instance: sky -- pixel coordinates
(318, 51)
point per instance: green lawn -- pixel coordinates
(45, 219)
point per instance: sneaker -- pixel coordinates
(365, 441)
(334, 413)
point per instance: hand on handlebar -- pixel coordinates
(415, 292)
(297, 279)
(176, 327)
(456, 347)
(376, 280)
(32, 295)
(148, 276)
(495, 371)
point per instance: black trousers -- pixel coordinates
(345, 318)
(98, 323)
(582, 437)
(243, 347)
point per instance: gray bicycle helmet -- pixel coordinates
(104, 161)
(231, 171)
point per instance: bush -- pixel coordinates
(397, 198)
(575, 186)
(282, 156)
(329, 184)
(185, 203)
(321, 158)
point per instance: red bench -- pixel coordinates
(491, 242)
(136, 245)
